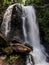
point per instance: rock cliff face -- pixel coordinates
(13, 53)
(16, 25)
(16, 29)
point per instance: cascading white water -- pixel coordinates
(24, 28)
(33, 34)
(7, 19)
(38, 52)
(6, 25)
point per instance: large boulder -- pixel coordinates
(13, 16)
(15, 46)
(12, 53)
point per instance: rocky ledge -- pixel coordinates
(13, 53)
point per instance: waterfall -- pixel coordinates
(38, 52)
(24, 28)
(7, 18)
(31, 37)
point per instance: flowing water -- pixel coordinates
(7, 18)
(38, 53)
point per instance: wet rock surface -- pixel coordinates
(13, 53)
(15, 25)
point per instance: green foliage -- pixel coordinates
(7, 2)
(27, 2)
(19, 1)
(10, 58)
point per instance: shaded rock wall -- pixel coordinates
(16, 25)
